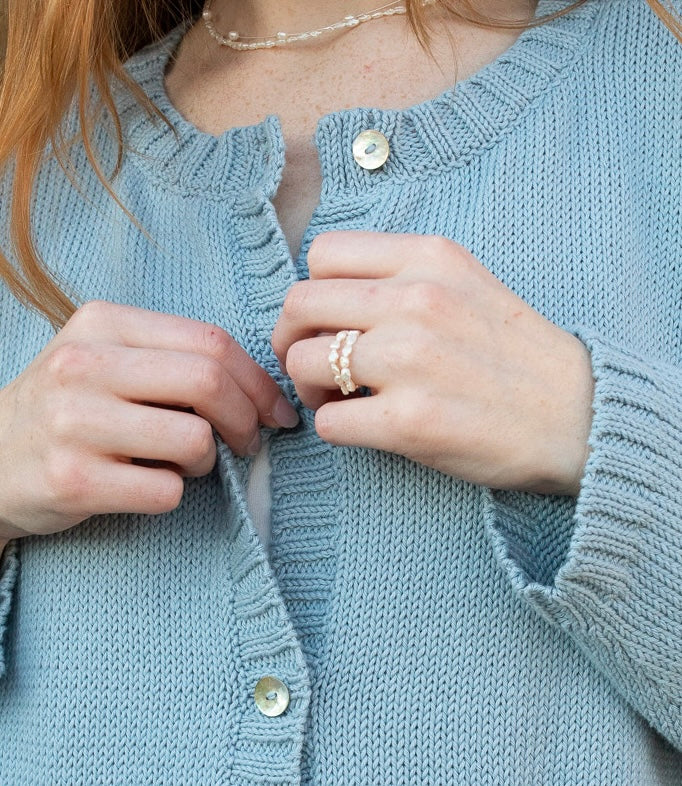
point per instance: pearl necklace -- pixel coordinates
(243, 43)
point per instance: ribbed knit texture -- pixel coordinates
(430, 631)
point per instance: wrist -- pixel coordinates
(560, 448)
(572, 451)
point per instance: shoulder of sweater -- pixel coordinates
(631, 30)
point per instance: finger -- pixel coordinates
(368, 421)
(183, 380)
(313, 307)
(139, 328)
(213, 395)
(173, 379)
(375, 254)
(309, 362)
(153, 434)
(130, 488)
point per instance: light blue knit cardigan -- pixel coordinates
(429, 631)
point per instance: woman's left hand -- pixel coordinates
(465, 376)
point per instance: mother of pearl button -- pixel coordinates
(370, 149)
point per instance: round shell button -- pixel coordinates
(370, 149)
(271, 696)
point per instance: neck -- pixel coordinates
(265, 17)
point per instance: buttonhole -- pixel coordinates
(370, 149)
(272, 696)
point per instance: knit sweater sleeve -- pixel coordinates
(9, 569)
(607, 567)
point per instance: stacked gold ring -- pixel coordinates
(339, 359)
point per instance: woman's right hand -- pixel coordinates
(99, 422)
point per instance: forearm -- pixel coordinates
(607, 568)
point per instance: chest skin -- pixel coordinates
(379, 64)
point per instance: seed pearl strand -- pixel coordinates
(241, 43)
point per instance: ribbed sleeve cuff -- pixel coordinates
(607, 567)
(9, 571)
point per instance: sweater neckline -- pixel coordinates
(445, 131)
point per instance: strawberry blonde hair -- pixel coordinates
(51, 54)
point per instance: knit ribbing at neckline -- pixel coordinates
(179, 155)
(445, 131)
(466, 120)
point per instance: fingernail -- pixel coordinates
(285, 414)
(254, 445)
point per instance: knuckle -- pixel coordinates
(246, 427)
(208, 378)
(68, 361)
(450, 258)
(94, 312)
(67, 481)
(263, 389)
(296, 299)
(296, 361)
(422, 299)
(320, 248)
(198, 441)
(169, 493)
(216, 342)
(64, 421)
(324, 424)
(439, 247)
